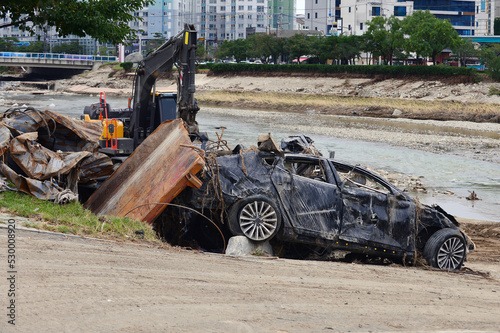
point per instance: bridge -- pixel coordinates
(52, 60)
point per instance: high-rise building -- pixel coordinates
(468, 17)
(461, 14)
(322, 15)
(231, 19)
(281, 15)
(356, 13)
(486, 11)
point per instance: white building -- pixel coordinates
(321, 15)
(356, 13)
(231, 19)
(486, 11)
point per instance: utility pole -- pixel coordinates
(140, 42)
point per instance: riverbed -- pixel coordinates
(451, 159)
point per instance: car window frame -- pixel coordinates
(354, 168)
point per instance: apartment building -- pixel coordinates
(468, 17)
(486, 11)
(232, 19)
(322, 15)
(281, 14)
(356, 13)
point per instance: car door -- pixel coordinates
(372, 214)
(311, 202)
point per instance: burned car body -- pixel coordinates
(314, 200)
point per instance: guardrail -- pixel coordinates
(62, 56)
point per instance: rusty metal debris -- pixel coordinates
(46, 154)
(158, 170)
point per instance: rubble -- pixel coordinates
(48, 155)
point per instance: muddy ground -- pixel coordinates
(67, 284)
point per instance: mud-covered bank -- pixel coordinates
(472, 140)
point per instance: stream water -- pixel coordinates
(441, 171)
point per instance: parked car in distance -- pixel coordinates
(309, 199)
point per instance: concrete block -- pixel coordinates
(242, 246)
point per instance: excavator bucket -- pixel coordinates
(158, 170)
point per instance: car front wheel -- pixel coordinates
(255, 217)
(445, 249)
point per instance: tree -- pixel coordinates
(496, 26)
(491, 57)
(385, 37)
(428, 35)
(347, 48)
(464, 50)
(201, 52)
(155, 43)
(105, 20)
(299, 45)
(35, 47)
(70, 48)
(323, 48)
(7, 44)
(266, 46)
(237, 49)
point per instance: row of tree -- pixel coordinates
(420, 35)
(12, 44)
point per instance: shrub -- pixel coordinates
(493, 68)
(127, 65)
(332, 69)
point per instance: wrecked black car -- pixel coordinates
(310, 199)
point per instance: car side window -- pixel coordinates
(355, 179)
(309, 169)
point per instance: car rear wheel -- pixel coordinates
(255, 217)
(445, 249)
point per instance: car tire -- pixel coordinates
(255, 217)
(445, 249)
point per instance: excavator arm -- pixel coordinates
(179, 50)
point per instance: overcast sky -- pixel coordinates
(301, 5)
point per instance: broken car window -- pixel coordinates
(354, 179)
(309, 169)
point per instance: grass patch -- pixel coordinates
(409, 106)
(494, 91)
(73, 219)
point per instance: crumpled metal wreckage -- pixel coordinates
(314, 202)
(46, 154)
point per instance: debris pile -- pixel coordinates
(49, 155)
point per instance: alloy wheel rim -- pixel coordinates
(258, 220)
(451, 254)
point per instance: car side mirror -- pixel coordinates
(374, 218)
